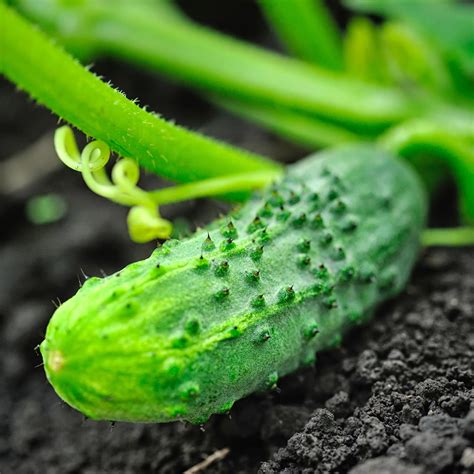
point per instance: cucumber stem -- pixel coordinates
(453, 146)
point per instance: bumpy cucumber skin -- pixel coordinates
(205, 321)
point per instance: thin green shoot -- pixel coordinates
(52, 77)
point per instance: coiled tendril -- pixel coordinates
(144, 220)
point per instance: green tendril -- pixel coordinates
(144, 220)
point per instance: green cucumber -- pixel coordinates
(207, 320)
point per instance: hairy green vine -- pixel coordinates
(84, 100)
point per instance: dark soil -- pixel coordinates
(396, 397)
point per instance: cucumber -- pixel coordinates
(207, 320)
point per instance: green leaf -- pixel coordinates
(449, 25)
(307, 30)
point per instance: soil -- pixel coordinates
(396, 397)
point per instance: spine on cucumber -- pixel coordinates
(207, 320)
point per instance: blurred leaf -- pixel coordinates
(409, 59)
(449, 25)
(362, 52)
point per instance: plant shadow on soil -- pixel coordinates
(396, 397)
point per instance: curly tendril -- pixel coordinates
(144, 220)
